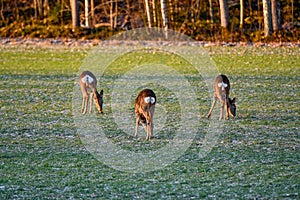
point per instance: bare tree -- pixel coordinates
(38, 8)
(211, 13)
(192, 13)
(86, 13)
(46, 7)
(241, 13)
(128, 7)
(250, 7)
(224, 14)
(275, 13)
(171, 12)
(292, 1)
(148, 13)
(41, 8)
(111, 15)
(154, 13)
(116, 14)
(1, 13)
(35, 9)
(164, 14)
(75, 14)
(268, 29)
(198, 11)
(93, 12)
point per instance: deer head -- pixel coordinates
(98, 100)
(232, 107)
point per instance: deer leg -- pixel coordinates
(145, 127)
(137, 126)
(150, 130)
(212, 107)
(84, 104)
(226, 110)
(147, 137)
(222, 110)
(148, 133)
(91, 102)
(84, 98)
(151, 121)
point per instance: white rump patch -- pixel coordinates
(88, 79)
(149, 99)
(223, 85)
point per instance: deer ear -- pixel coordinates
(101, 93)
(233, 100)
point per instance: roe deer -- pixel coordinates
(144, 110)
(221, 92)
(88, 83)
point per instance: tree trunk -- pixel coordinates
(75, 14)
(171, 13)
(86, 13)
(278, 14)
(40, 8)
(164, 16)
(46, 8)
(116, 15)
(1, 13)
(268, 29)
(93, 12)
(61, 12)
(250, 8)
(275, 9)
(154, 13)
(148, 13)
(241, 13)
(192, 13)
(35, 9)
(258, 15)
(292, 11)
(128, 7)
(198, 11)
(111, 15)
(211, 13)
(224, 14)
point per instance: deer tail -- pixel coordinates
(149, 101)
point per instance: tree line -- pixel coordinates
(214, 20)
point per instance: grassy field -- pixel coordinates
(256, 156)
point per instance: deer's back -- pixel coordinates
(144, 98)
(89, 80)
(221, 85)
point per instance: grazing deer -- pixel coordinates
(88, 83)
(221, 92)
(144, 110)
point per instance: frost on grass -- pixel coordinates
(257, 155)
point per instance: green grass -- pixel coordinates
(42, 156)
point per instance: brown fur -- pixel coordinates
(90, 89)
(144, 112)
(223, 96)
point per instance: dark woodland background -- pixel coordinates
(199, 19)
